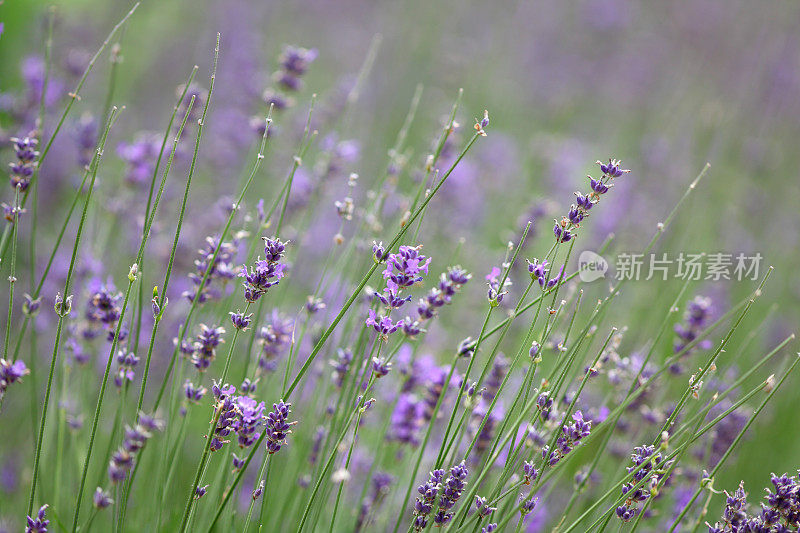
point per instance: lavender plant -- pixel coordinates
(343, 386)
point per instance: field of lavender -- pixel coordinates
(355, 266)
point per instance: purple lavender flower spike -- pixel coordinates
(240, 320)
(266, 272)
(101, 499)
(424, 504)
(277, 428)
(38, 524)
(450, 493)
(380, 367)
(22, 170)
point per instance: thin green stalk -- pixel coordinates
(63, 311)
(162, 301)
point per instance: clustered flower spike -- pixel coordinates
(226, 405)
(496, 292)
(101, 499)
(240, 320)
(564, 228)
(126, 362)
(267, 272)
(340, 366)
(482, 507)
(140, 157)
(571, 436)
(275, 337)
(696, 318)
(136, 437)
(10, 372)
(780, 513)
(250, 420)
(204, 349)
(103, 311)
(529, 472)
(403, 269)
(424, 505)
(277, 426)
(645, 460)
(39, 523)
(450, 493)
(541, 271)
(22, 169)
(406, 420)
(450, 283)
(12, 212)
(86, 130)
(193, 393)
(294, 62)
(212, 268)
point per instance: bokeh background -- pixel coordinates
(665, 86)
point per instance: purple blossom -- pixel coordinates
(267, 272)
(101, 499)
(22, 169)
(39, 523)
(10, 372)
(277, 427)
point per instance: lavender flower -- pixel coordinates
(135, 439)
(540, 271)
(248, 386)
(205, 346)
(564, 228)
(126, 362)
(449, 284)
(340, 366)
(101, 499)
(571, 435)
(10, 372)
(38, 524)
(380, 367)
(403, 269)
(528, 506)
(406, 420)
(12, 213)
(103, 310)
(274, 338)
(226, 405)
(645, 461)
(250, 420)
(240, 320)
(424, 505)
(26, 154)
(193, 393)
(780, 513)
(267, 272)
(221, 268)
(294, 62)
(696, 318)
(451, 492)
(277, 427)
(529, 472)
(86, 138)
(140, 157)
(482, 507)
(379, 488)
(496, 293)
